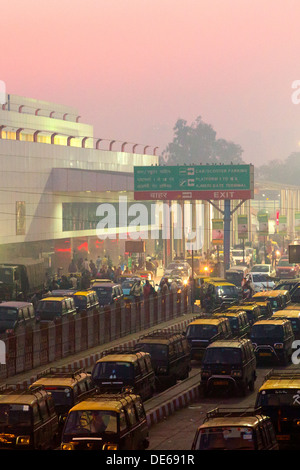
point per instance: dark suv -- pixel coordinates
(14, 315)
(108, 293)
(230, 365)
(273, 339)
(170, 356)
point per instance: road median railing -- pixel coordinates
(47, 342)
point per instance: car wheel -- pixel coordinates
(243, 389)
(252, 384)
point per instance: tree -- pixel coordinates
(197, 144)
(285, 171)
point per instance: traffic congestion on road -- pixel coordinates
(237, 353)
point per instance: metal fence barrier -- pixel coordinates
(46, 342)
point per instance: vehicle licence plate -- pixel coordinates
(283, 437)
(265, 354)
(220, 382)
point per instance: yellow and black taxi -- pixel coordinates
(272, 339)
(223, 292)
(119, 368)
(293, 316)
(228, 365)
(28, 420)
(252, 310)
(265, 308)
(170, 355)
(235, 429)
(239, 323)
(203, 331)
(86, 301)
(107, 422)
(53, 308)
(66, 387)
(279, 299)
(279, 398)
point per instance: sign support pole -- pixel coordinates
(227, 219)
(227, 213)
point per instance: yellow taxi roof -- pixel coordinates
(287, 313)
(55, 382)
(52, 299)
(207, 321)
(270, 320)
(118, 357)
(17, 399)
(270, 293)
(243, 307)
(280, 384)
(244, 421)
(230, 314)
(84, 292)
(98, 403)
(292, 307)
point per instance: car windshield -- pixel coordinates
(267, 331)
(80, 301)
(285, 262)
(15, 415)
(219, 355)
(264, 268)
(295, 324)
(234, 277)
(7, 313)
(173, 266)
(260, 278)
(103, 291)
(237, 252)
(201, 331)
(52, 306)
(113, 370)
(62, 396)
(227, 438)
(128, 284)
(227, 291)
(158, 352)
(288, 286)
(91, 422)
(234, 323)
(279, 398)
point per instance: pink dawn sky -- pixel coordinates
(133, 67)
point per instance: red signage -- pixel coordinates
(191, 195)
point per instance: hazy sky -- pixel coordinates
(133, 67)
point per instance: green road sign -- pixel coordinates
(194, 182)
(242, 227)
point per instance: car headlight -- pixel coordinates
(109, 446)
(205, 373)
(23, 440)
(68, 446)
(236, 373)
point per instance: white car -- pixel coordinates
(260, 282)
(240, 257)
(263, 269)
(178, 265)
